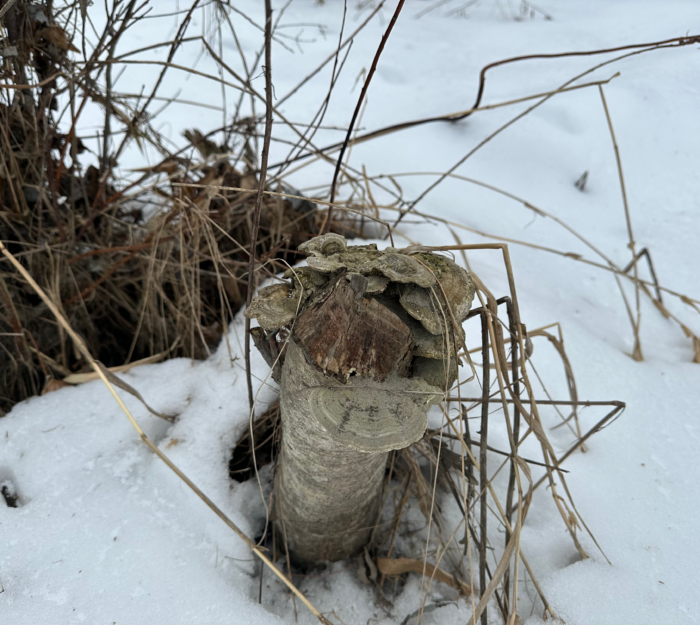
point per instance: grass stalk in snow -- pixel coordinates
(636, 322)
(532, 416)
(344, 44)
(675, 41)
(448, 117)
(652, 47)
(483, 433)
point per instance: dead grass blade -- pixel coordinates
(398, 566)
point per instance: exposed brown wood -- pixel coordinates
(347, 334)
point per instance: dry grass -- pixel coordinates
(156, 267)
(150, 268)
(481, 556)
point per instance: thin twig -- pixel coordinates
(261, 189)
(358, 106)
(332, 55)
(680, 41)
(447, 117)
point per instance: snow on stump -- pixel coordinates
(362, 343)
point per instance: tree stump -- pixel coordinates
(372, 338)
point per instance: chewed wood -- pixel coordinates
(347, 334)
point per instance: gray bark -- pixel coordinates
(327, 493)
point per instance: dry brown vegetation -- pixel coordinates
(148, 269)
(157, 267)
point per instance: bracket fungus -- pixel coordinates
(370, 343)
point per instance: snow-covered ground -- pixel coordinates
(104, 533)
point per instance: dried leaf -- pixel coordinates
(132, 391)
(52, 384)
(371, 566)
(427, 609)
(57, 36)
(397, 566)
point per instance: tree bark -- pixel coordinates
(327, 494)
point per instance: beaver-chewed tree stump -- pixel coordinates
(370, 343)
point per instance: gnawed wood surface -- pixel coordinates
(346, 334)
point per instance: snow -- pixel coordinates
(105, 533)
